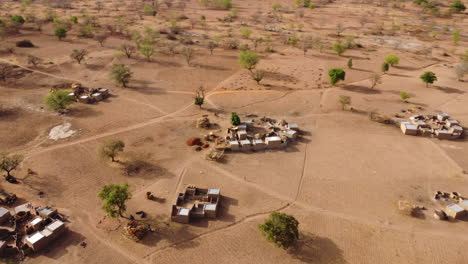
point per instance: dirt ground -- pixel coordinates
(342, 179)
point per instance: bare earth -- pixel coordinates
(342, 180)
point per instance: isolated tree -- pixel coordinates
(100, 38)
(78, 55)
(121, 74)
(235, 119)
(59, 100)
(428, 78)
(344, 100)
(147, 50)
(189, 54)
(61, 32)
(457, 6)
(200, 97)
(336, 75)
(257, 75)
(392, 60)
(281, 229)
(110, 148)
(17, 19)
(248, 59)
(339, 48)
(350, 63)
(127, 49)
(8, 163)
(385, 67)
(404, 96)
(211, 45)
(115, 196)
(375, 79)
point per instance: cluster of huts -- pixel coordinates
(196, 203)
(84, 95)
(457, 210)
(26, 229)
(440, 126)
(265, 134)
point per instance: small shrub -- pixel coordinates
(248, 60)
(336, 75)
(392, 60)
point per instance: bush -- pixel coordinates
(457, 6)
(110, 148)
(59, 100)
(24, 44)
(248, 60)
(392, 60)
(404, 96)
(61, 32)
(235, 119)
(339, 47)
(78, 55)
(257, 75)
(281, 229)
(121, 74)
(336, 75)
(17, 19)
(74, 19)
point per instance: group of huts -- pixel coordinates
(26, 229)
(440, 126)
(84, 95)
(265, 134)
(196, 203)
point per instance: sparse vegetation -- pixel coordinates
(336, 75)
(248, 60)
(339, 48)
(9, 162)
(78, 55)
(428, 78)
(344, 100)
(121, 74)
(404, 96)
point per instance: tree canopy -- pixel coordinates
(235, 119)
(9, 163)
(115, 196)
(248, 59)
(59, 100)
(121, 74)
(336, 75)
(428, 78)
(110, 148)
(392, 60)
(281, 229)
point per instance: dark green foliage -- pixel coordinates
(121, 74)
(350, 63)
(25, 43)
(336, 75)
(61, 32)
(199, 101)
(74, 19)
(385, 67)
(428, 78)
(457, 6)
(115, 196)
(235, 119)
(281, 229)
(17, 19)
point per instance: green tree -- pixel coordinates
(235, 119)
(121, 74)
(281, 229)
(339, 47)
(9, 163)
(350, 63)
(457, 6)
(336, 75)
(199, 101)
(392, 60)
(428, 78)
(248, 59)
(59, 100)
(147, 50)
(115, 196)
(385, 67)
(404, 96)
(110, 148)
(61, 32)
(344, 100)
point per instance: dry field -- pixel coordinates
(342, 180)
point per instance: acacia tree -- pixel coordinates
(78, 55)
(248, 60)
(59, 100)
(404, 96)
(127, 49)
(375, 79)
(61, 32)
(100, 38)
(257, 75)
(110, 148)
(9, 163)
(235, 119)
(121, 74)
(200, 97)
(147, 50)
(339, 48)
(392, 60)
(428, 78)
(189, 54)
(115, 196)
(281, 229)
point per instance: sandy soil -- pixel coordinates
(342, 180)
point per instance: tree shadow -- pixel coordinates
(360, 89)
(82, 111)
(142, 165)
(143, 86)
(449, 90)
(314, 249)
(210, 67)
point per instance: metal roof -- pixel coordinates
(184, 211)
(456, 208)
(35, 238)
(213, 191)
(55, 225)
(210, 207)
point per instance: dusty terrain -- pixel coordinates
(342, 180)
